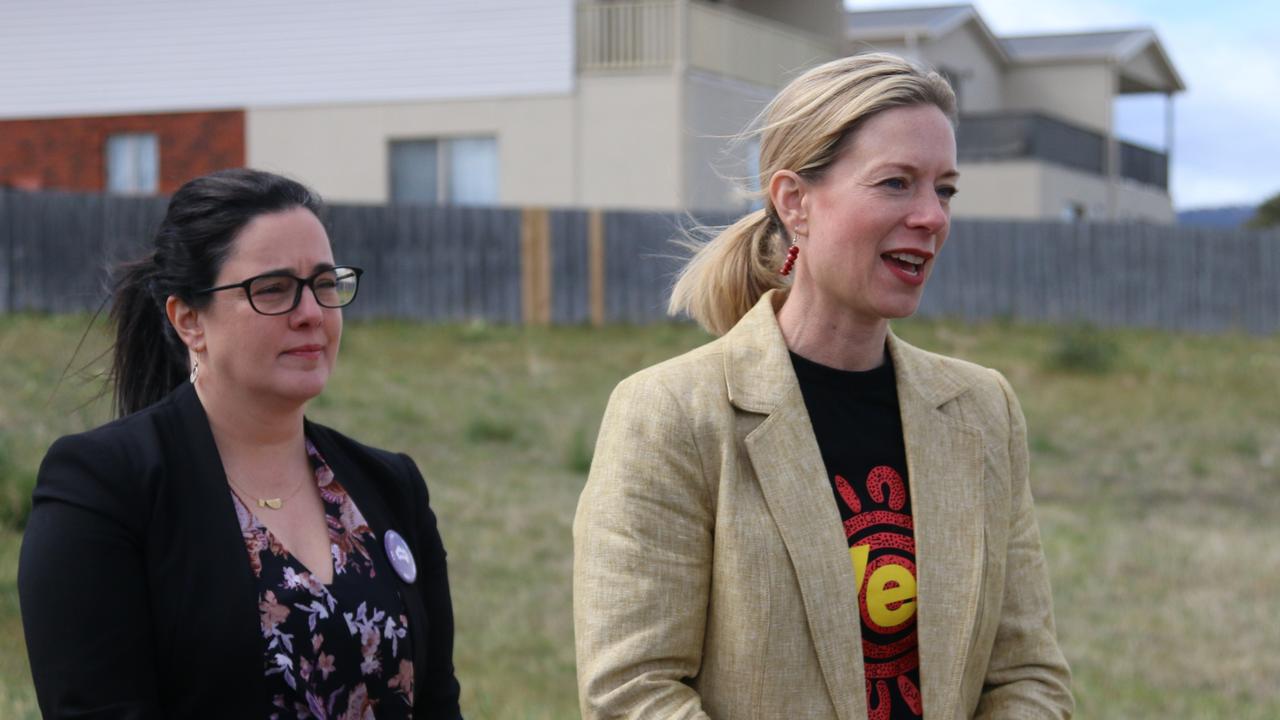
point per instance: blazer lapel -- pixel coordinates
(945, 468)
(793, 479)
(371, 486)
(209, 554)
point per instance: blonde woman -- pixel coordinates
(808, 517)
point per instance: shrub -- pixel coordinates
(578, 457)
(483, 429)
(1083, 349)
(16, 484)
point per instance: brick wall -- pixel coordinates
(70, 153)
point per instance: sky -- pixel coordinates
(1226, 146)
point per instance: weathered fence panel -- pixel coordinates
(451, 264)
(1118, 275)
(570, 273)
(58, 246)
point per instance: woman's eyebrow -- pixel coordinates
(289, 271)
(913, 170)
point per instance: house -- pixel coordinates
(598, 103)
(604, 103)
(1037, 132)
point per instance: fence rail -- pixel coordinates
(574, 266)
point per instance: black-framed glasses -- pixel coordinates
(279, 293)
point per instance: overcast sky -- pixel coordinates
(1226, 148)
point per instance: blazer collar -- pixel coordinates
(944, 468)
(759, 374)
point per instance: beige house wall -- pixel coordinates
(631, 143)
(1147, 68)
(1061, 187)
(819, 17)
(963, 52)
(999, 190)
(966, 54)
(892, 48)
(715, 167)
(1031, 190)
(614, 143)
(343, 150)
(1081, 93)
(1143, 202)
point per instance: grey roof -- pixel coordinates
(926, 23)
(867, 24)
(1111, 45)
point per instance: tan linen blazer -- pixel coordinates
(711, 571)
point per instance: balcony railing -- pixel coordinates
(1144, 165)
(1030, 135)
(1008, 136)
(657, 34)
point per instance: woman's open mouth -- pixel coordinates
(907, 266)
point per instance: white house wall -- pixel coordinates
(85, 57)
(343, 150)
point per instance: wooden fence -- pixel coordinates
(537, 266)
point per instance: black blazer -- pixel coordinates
(137, 597)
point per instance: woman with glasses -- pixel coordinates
(213, 553)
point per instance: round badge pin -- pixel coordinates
(401, 559)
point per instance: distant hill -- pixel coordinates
(1231, 216)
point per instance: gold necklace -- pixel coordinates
(274, 503)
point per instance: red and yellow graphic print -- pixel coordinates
(882, 549)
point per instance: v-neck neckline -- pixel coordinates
(289, 555)
(318, 464)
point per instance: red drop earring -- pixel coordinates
(792, 253)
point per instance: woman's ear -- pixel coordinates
(787, 191)
(186, 321)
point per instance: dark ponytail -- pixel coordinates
(194, 240)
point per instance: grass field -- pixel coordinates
(1156, 466)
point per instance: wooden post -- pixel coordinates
(595, 266)
(535, 266)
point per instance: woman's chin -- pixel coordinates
(896, 310)
(301, 389)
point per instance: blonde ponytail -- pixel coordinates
(727, 275)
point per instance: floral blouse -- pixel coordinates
(341, 650)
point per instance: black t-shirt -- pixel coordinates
(856, 419)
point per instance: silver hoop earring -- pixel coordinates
(195, 370)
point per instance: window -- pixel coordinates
(1074, 211)
(133, 163)
(457, 171)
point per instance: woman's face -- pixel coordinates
(880, 213)
(279, 357)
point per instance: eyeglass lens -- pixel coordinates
(279, 293)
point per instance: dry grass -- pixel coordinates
(1157, 478)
